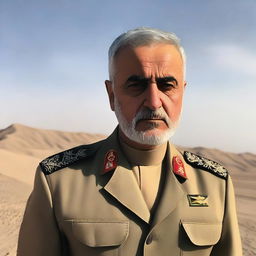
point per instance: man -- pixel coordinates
(134, 193)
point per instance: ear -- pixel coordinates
(111, 96)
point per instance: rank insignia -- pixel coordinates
(68, 157)
(198, 200)
(205, 164)
(110, 162)
(178, 167)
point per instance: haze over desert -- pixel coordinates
(23, 147)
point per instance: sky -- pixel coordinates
(53, 63)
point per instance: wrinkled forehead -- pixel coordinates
(142, 59)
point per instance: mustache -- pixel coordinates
(147, 113)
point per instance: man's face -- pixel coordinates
(147, 90)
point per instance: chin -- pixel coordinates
(150, 137)
(153, 131)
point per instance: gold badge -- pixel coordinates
(198, 200)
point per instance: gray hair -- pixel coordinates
(142, 37)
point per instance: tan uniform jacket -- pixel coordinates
(77, 210)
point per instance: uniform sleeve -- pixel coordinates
(230, 241)
(39, 234)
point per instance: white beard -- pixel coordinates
(154, 138)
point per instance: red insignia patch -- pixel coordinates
(178, 167)
(110, 161)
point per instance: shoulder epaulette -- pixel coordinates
(63, 159)
(206, 164)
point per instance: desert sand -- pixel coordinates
(22, 148)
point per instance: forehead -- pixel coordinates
(147, 60)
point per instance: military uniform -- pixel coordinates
(87, 201)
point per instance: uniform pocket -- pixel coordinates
(100, 234)
(199, 238)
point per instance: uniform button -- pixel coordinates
(149, 239)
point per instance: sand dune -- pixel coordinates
(13, 197)
(22, 148)
(38, 142)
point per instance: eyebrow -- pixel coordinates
(136, 78)
(141, 79)
(166, 79)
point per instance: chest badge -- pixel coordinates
(178, 167)
(198, 200)
(110, 161)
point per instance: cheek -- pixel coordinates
(128, 109)
(174, 106)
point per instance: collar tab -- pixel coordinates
(110, 161)
(178, 167)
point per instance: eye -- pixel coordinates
(166, 86)
(136, 88)
(133, 85)
(137, 84)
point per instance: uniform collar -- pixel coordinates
(113, 154)
(121, 184)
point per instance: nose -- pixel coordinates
(152, 97)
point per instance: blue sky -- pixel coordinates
(53, 63)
